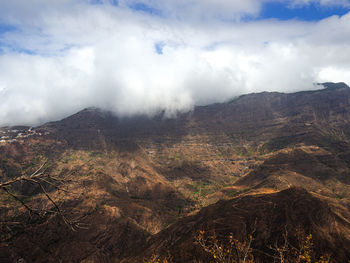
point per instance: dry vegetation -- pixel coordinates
(141, 185)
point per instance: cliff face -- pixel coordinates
(143, 185)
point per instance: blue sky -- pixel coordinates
(6, 28)
(310, 12)
(281, 10)
(141, 7)
(142, 56)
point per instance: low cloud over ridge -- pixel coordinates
(59, 58)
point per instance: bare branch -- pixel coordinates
(19, 200)
(53, 185)
(66, 221)
(37, 174)
(39, 177)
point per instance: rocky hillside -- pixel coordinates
(261, 164)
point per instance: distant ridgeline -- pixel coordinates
(331, 85)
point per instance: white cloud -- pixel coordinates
(226, 9)
(202, 9)
(99, 55)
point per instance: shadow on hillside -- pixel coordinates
(186, 169)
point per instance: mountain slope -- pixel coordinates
(139, 178)
(263, 216)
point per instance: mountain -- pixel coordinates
(264, 215)
(269, 162)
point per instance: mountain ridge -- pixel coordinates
(135, 181)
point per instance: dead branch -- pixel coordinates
(37, 174)
(39, 177)
(31, 211)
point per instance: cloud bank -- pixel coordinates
(139, 57)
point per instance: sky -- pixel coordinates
(142, 56)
